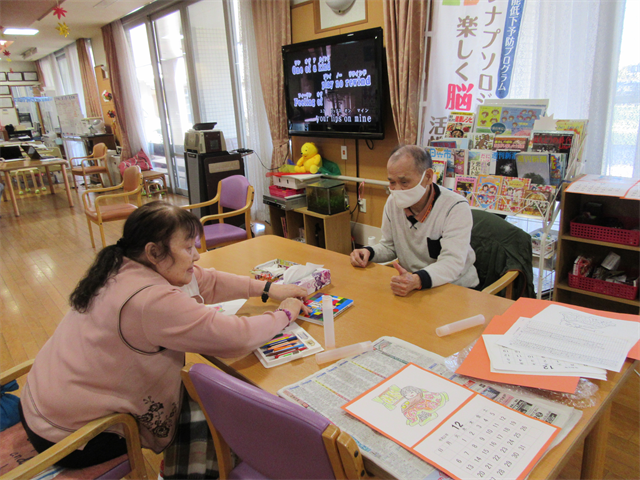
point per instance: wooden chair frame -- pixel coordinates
(75, 171)
(80, 437)
(343, 452)
(505, 281)
(246, 210)
(102, 199)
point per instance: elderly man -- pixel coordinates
(426, 227)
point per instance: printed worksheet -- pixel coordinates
(508, 360)
(452, 427)
(567, 343)
(611, 327)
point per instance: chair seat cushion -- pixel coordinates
(118, 211)
(219, 233)
(245, 472)
(15, 449)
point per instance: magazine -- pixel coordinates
(552, 141)
(534, 166)
(314, 302)
(557, 167)
(465, 186)
(460, 160)
(479, 162)
(512, 193)
(459, 124)
(487, 191)
(506, 142)
(481, 141)
(439, 167)
(536, 199)
(506, 163)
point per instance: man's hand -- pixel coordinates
(404, 282)
(360, 257)
(280, 292)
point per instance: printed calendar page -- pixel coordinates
(451, 427)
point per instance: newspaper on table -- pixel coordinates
(330, 388)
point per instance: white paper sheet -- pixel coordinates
(567, 343)
(229, 308)
(508, 360)
(611, 327)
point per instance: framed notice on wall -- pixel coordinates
(30, 76)
(6, 102)
(3, 76)
(4, 90)
(15, 76)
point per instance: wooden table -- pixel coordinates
(6, 167)
(377, 312)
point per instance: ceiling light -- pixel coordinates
(20, 31)
(339, 6)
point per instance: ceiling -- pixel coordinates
(84, 19)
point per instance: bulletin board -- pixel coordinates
(69, 113)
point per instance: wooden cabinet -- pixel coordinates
(332, 232)
(569, 247)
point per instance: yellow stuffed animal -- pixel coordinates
(311, 161)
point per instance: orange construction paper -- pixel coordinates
(478, 365)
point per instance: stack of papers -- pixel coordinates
(549, 345)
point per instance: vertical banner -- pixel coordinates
(467, 51)
(509, 42)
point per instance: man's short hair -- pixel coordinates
(420, 156)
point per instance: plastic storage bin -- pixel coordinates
(605, 234)
(326, 197)
(619, 290)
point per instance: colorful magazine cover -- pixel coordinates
(506, 163)
(487, 191)
(534, 166)
(552, 141)
(508, 119)
(465, 186)
(459, 124)
(449, 143)
(510, 142)
(557, 167)
(479, 162)
(512, 193)
(481, 141)
(314, 302)
(443, 154)
(439, 168)
(460, 160)
(536, 200)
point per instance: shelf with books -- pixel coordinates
(571, 247)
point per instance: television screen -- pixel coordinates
(333, 86)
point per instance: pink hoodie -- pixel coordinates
(126, 352)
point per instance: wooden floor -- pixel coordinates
(45, 251)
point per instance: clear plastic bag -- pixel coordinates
(585, 396)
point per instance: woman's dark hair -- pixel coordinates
(154, 222)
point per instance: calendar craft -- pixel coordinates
(452, 427)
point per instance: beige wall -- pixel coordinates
(372, 163)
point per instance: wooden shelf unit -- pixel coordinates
(570, 247)
(332, 232)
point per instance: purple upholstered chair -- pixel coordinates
(273, 438)
(233, 193)
(18, 458)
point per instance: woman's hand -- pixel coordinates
(295, 306)
(280, 292)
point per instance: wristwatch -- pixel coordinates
(265, 292)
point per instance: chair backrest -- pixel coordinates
(233, 192)
(99, 150)
(499, 247)
(132, 178)
(275, 437)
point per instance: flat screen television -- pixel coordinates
(334, 86)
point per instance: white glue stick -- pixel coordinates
(460, 325)
(343, 352)
(327, 321)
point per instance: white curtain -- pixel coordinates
(51, 74)
(130, 90)
(71, 53)
(254, 114)
(568, 52)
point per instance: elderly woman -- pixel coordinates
(121, 346)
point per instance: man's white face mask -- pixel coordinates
(408, 198)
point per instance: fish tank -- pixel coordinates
(326, 197)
